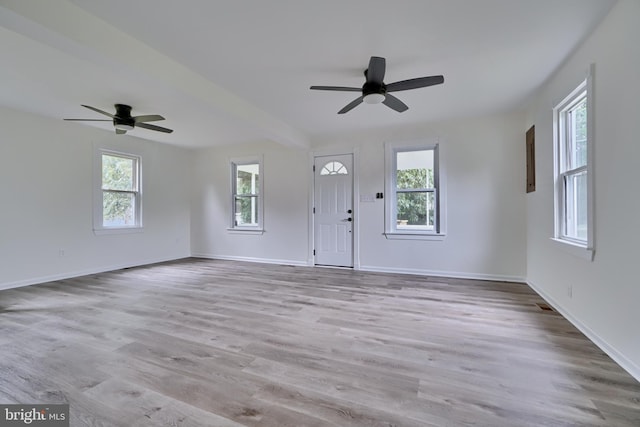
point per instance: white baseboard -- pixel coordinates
(252, 259)
(78, 273)
(438, 273)
(611, 351)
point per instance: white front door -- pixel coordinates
(333, 210)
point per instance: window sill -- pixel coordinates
(574, 249)
(256, 231)
(414, 236)
(121, 230)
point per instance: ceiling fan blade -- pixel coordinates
(88, 120)
(98, 111)
(394, 103)
(337, 88)
(415, 83)
(375, 72)
(350, 106)
(148, 118)
(120, 131)
(153, 127)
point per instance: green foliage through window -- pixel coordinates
(579, 137)
(119, 190)
(247, 184)
(415, 207)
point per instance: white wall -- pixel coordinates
(285, 220)
(484, 158)
(485, 179)
(606, 294)
(46, 169)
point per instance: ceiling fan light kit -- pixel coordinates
(374, 98)
(123, 121)
(123, 126)
(375, 91)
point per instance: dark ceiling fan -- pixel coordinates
(375, 90)
(123, 121)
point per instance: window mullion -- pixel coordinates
(120, 191)
(576, 171)
(415, 190)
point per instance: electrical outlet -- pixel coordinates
(570, 291)
(60, 252)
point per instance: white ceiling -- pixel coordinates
(232, 71)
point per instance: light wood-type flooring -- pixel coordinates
(220, 343)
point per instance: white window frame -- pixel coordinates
(259, 197)
(581, 248)
(391, 230)
(98, 218)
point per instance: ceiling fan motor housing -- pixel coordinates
(123, 122)
(374, 87)
(122, 119)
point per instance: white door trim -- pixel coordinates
(356, 201)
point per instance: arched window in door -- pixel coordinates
(334, 168)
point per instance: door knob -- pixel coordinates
(349, 219)
(349, 211)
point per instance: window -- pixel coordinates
(334, 168)
(573, 171)
(413, 184)
(246, 191)
(120, 196)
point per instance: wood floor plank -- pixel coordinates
(219, 343)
